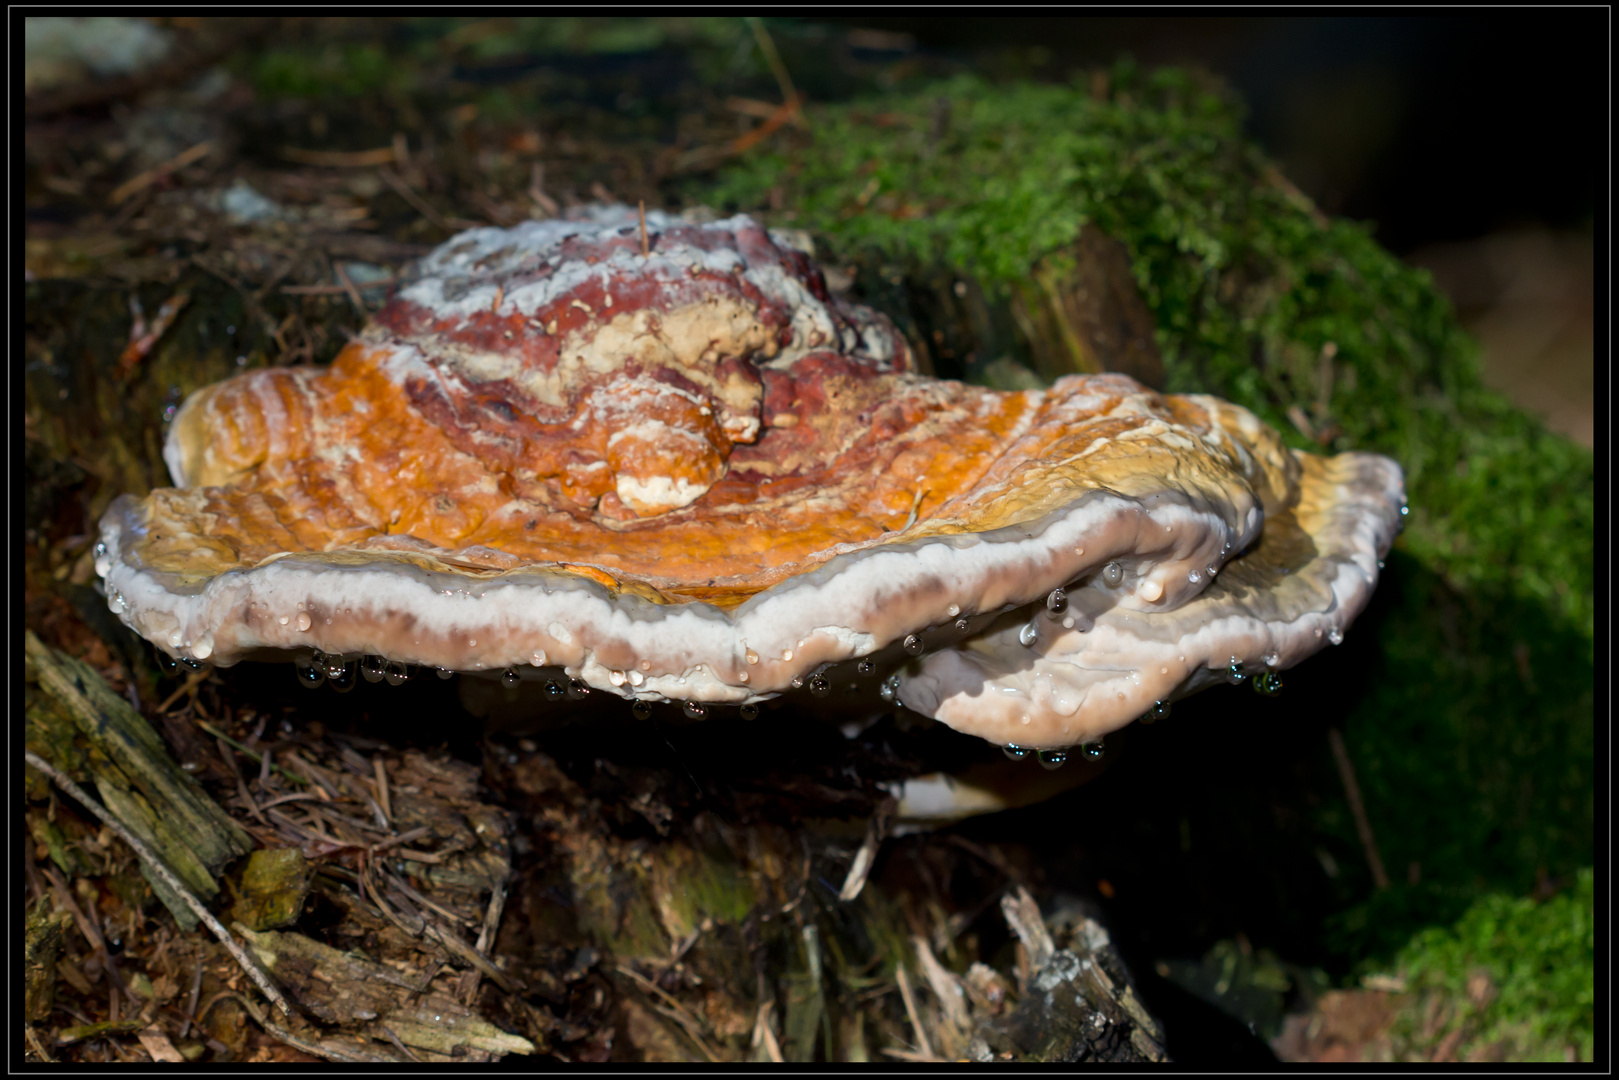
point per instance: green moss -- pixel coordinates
(1473, 729)
(1540, 963)
(331, 70)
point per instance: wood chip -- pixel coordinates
(158, 1045)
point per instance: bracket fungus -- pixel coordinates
(679, 469)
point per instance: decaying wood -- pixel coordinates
(151, 864)
(138, 781)
(374, 999)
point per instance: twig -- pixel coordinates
(344, 159)
(397, 1044)
(397, 182)
(193, 680)
(491, 918)
(38, 1047)
(1357, 808)
(91, 932)
(191, 1004)
(156, 865)
(763, 1035)
(382, 788)
(784, 80)
(253, 755)
(536, 191)
(675, 1010)
(876, 829)
(141, 181)
(229, 758)
(909, 996)
(1023, 916)
(348, 287)
(333, 290)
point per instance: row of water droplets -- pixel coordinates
(1056, 759)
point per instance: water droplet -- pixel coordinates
(1193, 576)
(1159, 710)
(819, 686)
(115, 602)
(753, 657)
(798, 682)
(641, 710)
(194, 665)
(1015, 752)
(1029, 634)
(1112, 575)
(372, 668)
(865, 667)
(616, 678)
(1272, 659)
(646, 665)
(1233, 673)
(889, 688)
(554, 690)
(445, 673)
(953, 610)
(1268, 683)
(303, 621)
(342, 679)
(283, 620)
(395, 672)
(912, 645)
(538, 658)
(167, 664)
(311, 671)
(100, 549)
(961, 626)
(1404, 510)
(1057, 602)
(1336, 636)
(1212, 571)
(1053, 759)
(786, 654)
(750, 712)
(1380, 564)
(203, 647)
(577, 690)
(510, 677)
(696, 710)
(636, 678)
(334, 665)
(1067, 622)
(1092, 751)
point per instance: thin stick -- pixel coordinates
(192, 682)
(253, 755)
(348, 287)
(260, 979)
(383, 799)
(1363, 825)
(909, 997)
(191, 1005)
(404, 190)
(146, 179)
(767, 45)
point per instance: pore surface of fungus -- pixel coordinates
(677, 467)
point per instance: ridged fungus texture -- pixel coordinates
(689, 472)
